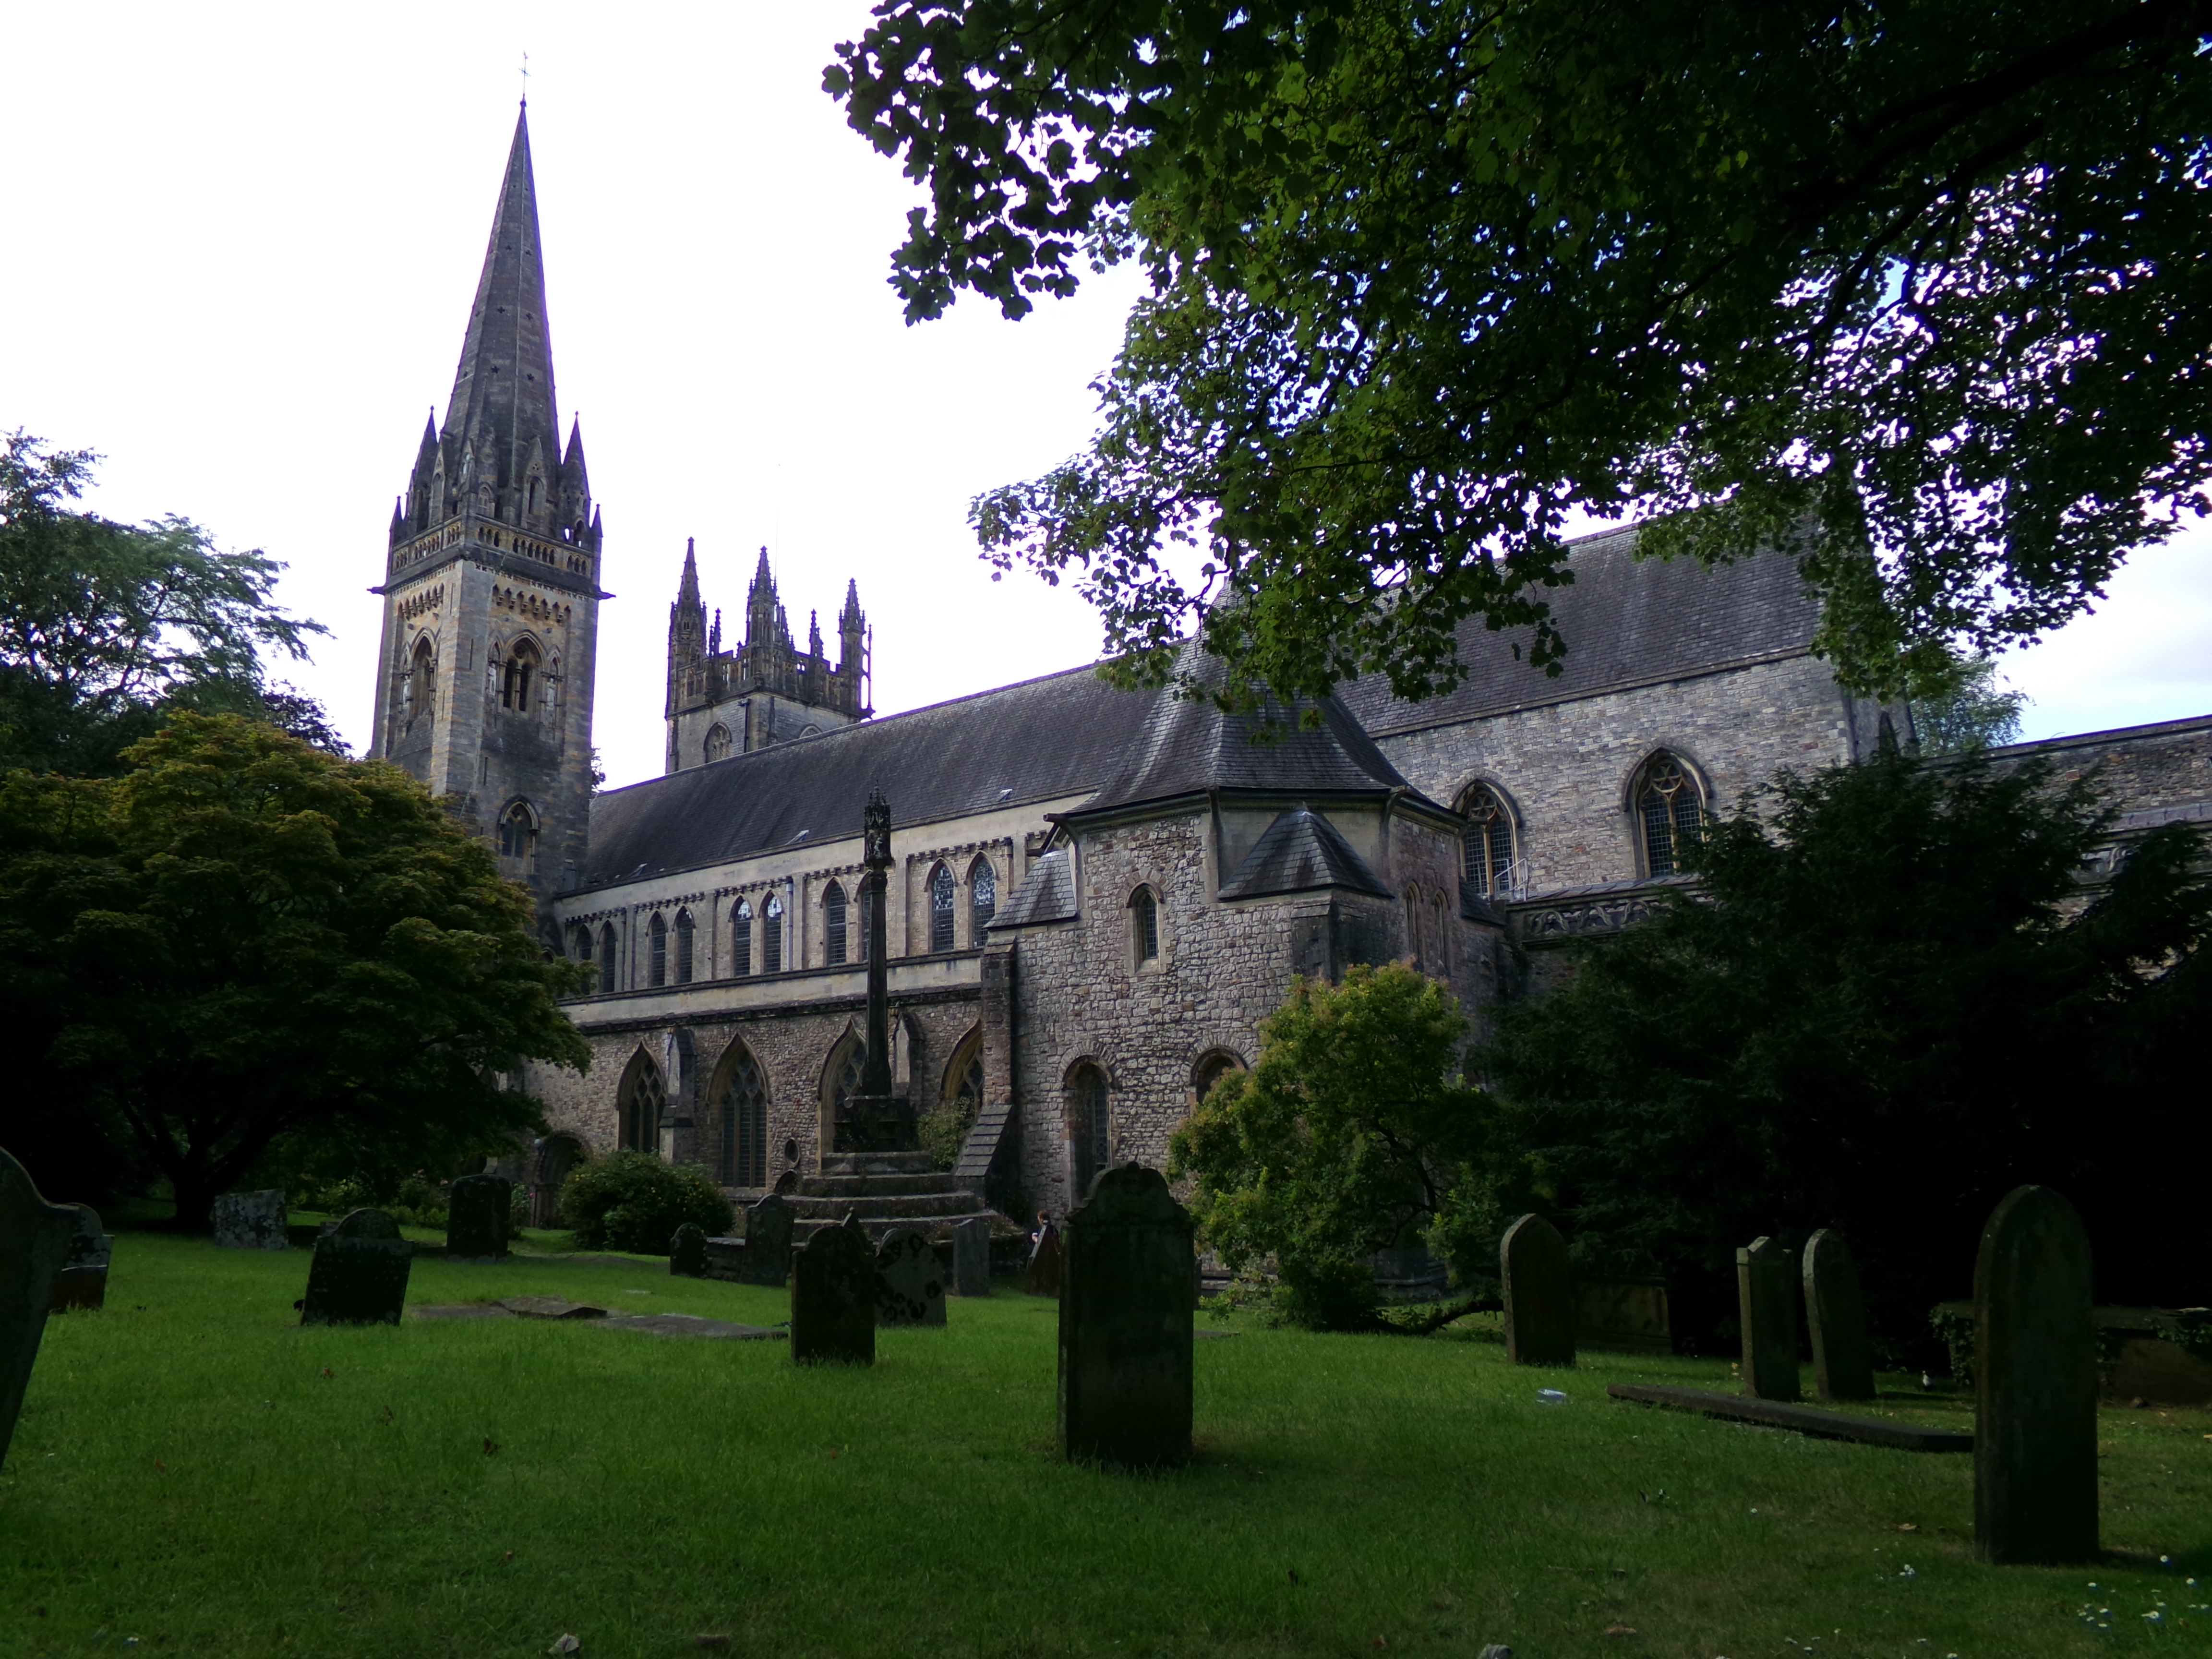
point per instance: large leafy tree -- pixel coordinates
(1351, 1133)
(244, 938)
(1911, 289)
(1893, 1001)
(105, 627)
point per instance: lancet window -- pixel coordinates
(1669, 811)
(942, 910)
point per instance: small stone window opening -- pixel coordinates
(1144, 926)
(772, 935)
(982, 900)
(421, 679)
(518, 832)
(744, 1111)
(657, 953)
(942, 908)
(741, 938)
(718, 742)
(1669, 814)
(642, 1107)
(833, 926)
(520, 676)
(1089, 1128)
(1413, 929)
(583, 945)
(686, 932)
(530, 503)
(607, 952)
(1212, 1069)
(1489, 843)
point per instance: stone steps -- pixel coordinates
(933, 1185)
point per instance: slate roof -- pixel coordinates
(1301, 851)
(1043, 738)
(1626, 622)
(1189, 746)
(1047, 894)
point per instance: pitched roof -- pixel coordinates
(1047, 894)
(1301, 851)
(1627, 622)
(1038, 740)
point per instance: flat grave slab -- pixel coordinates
(1806, 1419)
(462, 1310)
(552, 1307)
(690, 1325)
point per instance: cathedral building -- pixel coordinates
(1095, 896)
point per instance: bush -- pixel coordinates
(634, 1202)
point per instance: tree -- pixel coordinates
(1892, 1001)
(105, 627)
(1351, 1133)
(244, 937)
(1910, 292)
(1968, 712)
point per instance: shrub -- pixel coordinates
(634, 1202)
(944, 1132)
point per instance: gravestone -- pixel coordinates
(480, 1211)
(767, 1259)
(250, 1221)
(910, 1280)
(83, 1281)
(1125, 1326)
(833, 1298)
(359, 1275)
(971, 1257)
(1540, 1299)
(1766, 1302)
(35, 1241)
(2035, 1384)
(687, 1251)
(1835, 1315)
(1043, 1277)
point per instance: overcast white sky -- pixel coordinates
(245, 241)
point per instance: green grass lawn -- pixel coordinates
(196, 1472)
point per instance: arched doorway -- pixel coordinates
(1089, 1128)
(551, 1162)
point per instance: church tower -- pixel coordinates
(491, 588)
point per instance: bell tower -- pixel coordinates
(491, 588)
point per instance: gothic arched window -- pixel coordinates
(942, 906)
(583, 944)
(520, 677)
(1489, 843)
(1144, 926)
(982, 900)
(742, 1107)
(1669, 813)
(833, 926)
(772, 935)
(657, 952)
(1414, 927)
(741, 938)
(1089, 1135)
(685, 932)
(518, 832)
(1212, 1068)
(421, 679)
(718, 742)
(607, 950)
(643, 1098)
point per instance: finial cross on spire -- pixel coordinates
(526, 80)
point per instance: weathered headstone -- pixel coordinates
(1540, 1296)
(1835, 1315)
(768, 1242)
(359, 1275)
(2035, 1384)
(910, 1280)
(1766, 1302)
(971, 1257)
(833, 1298)
(1043, 1277)
(83, 1281)
(687, 1251)
(35, 1237)
(1125, 1323)
(250, 1221)
(480, 1212)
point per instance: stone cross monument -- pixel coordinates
(876, 1120)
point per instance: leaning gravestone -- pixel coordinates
(833, 1299)
(1125, 1329)
(250, 1221)
(34, 1239)
(480, 1211)
(1766, 1302)
(1044, 1278)
(2035, 1385)
(1539, 1297)
(83, 1281)
(910, 1280)
(767, 1259)
(687, 1251)
(1835, 1315)
(359, 1275)
(971, 1257)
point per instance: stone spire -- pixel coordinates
(502, 407)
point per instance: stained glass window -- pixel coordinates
(982, 900)
(640, 1113)
(518, 831)
(718, 742)
(941, 902)
(1144, 919)
(744, 1112)
(1667, 803)
(1489, 843)
(1089, 1127)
